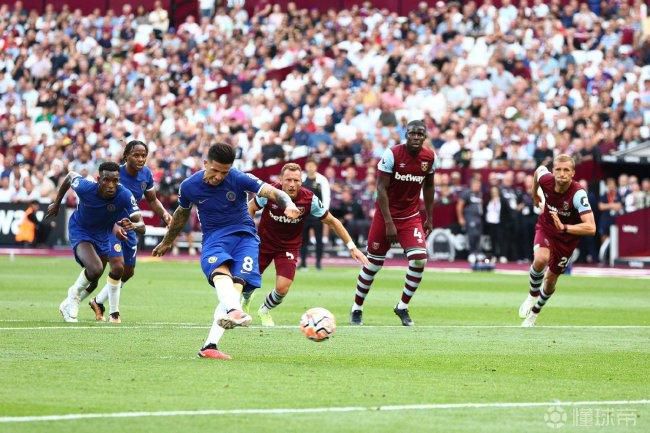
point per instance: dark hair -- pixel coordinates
(129, 147)
(108, 166)
(416, 124)
(222, 153)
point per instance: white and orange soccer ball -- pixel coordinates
(318, 324)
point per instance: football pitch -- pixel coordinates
(466, 366)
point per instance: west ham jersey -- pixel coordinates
(407, 173)
(279, 232)
(222, 209)
(569, 205)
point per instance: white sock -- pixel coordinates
(356, 307)
(402, 306)
(226, 292)
(102, 296)
(83, 294)
(113, 288)
(216, 331)
(532, 298)
(263, 309)
(80, 285)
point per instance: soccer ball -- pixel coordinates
(317, 324)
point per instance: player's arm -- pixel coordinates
(460, 206)
(342, 233)
(253, 207)
(53, 208)
(281, 198)
(587, 225)
(157, 206)
(133, 222)
(429, 195)
(541, 170)
(179, 219)
(383, 181)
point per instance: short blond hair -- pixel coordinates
(563, 157)
(290, 166)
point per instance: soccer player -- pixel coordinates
(566, 216)
(135, 176)
(281, 237)
(100, 212)
(405, 170)
(230, 246)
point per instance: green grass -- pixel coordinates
(149, 363)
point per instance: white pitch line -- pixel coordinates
(285, 411)
(199, 326)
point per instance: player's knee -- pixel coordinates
(94, 272)
(128, 273)
(117, 271)
(417, 258)
(283, 289)
(418, 263)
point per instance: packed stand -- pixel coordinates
(499, 87)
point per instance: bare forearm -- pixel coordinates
(65, 186)
(382, 201)
(338, 228)
(157, 207)
(429, 196)
(179, 219)
(581, 229)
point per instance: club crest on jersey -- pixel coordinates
(402, 164)
(425, 166)
(212, 259)
(143, 186)
(111, 207)
(231, 196)
(301, 209)
(565, 205)
(274, 206)
(375, 245)
(117, 248)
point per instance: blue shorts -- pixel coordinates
(100, 241)
(127, 248)
(241, 250)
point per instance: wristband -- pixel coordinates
(350, 245)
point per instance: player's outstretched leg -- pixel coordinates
(417, 261)
(535, 279)
(210, 349)
(364, 281)
(93, 268)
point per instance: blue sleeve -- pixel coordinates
(261, 201)
(387, 161)
(82, 186)
(248, 182)
(184, 195)
(317, 208)
(581, 201)
(127, 202)
(150, 184)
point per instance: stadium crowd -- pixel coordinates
(498, 87)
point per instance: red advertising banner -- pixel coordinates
(634, 233)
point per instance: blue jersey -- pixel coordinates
(97, 214)
(222, 209)
(138, 184)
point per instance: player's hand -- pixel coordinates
(556, 220)
(391, 232)
(119, 232)
(52, 210)
(537, 200)
(359, 256)
(428, 228)
(461, 222)
(161, 249)
(126, 224)
(292, 211)
(167, 218)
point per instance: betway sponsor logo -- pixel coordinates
(284, 219)
(408, 177)
(559, 212)
(630, 229)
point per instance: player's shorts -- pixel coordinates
(240, 250)
(410, 234)
(561, 250)
(100, 241)
(127, 248)
(285, 262)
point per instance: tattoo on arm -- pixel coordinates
(179, 219)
